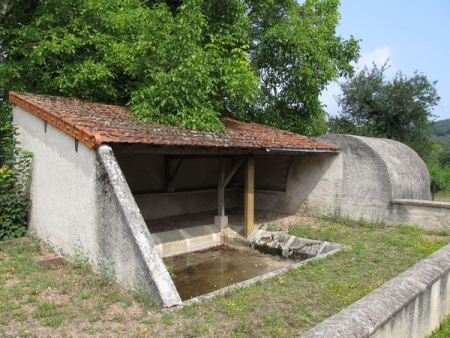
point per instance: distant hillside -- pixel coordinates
(441, 133)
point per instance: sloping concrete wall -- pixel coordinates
(412, 305)
(82, 206)
(125, 242)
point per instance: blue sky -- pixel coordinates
(413, 34)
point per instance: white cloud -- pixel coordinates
(379, 56)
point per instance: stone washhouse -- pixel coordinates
(104, 183)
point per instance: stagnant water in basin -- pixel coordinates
(201, 272)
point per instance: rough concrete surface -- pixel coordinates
(408, 173)
(289, 246)
(433, 215)
(125, 240)
(372, 172)
(307, 173)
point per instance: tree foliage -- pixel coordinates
(439, 178)
(441, 135)
(297, 53)
(441, 128)
(183, 62)
(183, 69)
(399, 109)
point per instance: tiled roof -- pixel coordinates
(97, 123)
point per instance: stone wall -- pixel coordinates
(125, 243)
(318, 173)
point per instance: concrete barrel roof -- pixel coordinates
(405, 171)
(363, 179)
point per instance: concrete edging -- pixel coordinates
(425, 214)
(412, 304)
(422, 203)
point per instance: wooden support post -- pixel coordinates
(172, 176)
(221, 220)
(249, 212)
(166, 172)
(232, 172)
(221, 189)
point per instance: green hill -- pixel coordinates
(441, 133)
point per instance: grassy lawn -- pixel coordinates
(444, 331)
(69, 300)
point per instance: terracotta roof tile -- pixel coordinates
(97, 123)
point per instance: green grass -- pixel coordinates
(70, 300)
(38, 300)
(444, 330)
(442, 196)
(167, 319)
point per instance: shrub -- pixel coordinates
(15, 168)
(439, 178)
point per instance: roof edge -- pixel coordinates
(303, 150)
(91, 139)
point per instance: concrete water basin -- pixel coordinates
(201, 272)
(217, 261)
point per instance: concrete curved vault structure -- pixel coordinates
(359, 181)
(365, 177)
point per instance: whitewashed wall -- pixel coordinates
(63, 187)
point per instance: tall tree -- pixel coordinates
(399, 109)
(297, 53)
(183, 62)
